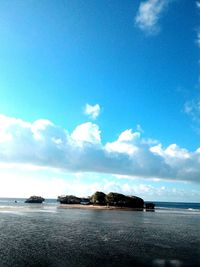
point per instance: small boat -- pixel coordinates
(35, 199)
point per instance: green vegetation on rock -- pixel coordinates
(98, 198)
(116, 199)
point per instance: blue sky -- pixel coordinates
(100, 95)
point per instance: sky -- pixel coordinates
(100, 95)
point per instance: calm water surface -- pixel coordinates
(45, 235)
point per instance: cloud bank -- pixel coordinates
(149, 14)
(26, 182)
(43, 143)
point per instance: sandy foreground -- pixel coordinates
(94, 207)
(35, 207)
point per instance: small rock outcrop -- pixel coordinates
(149, 206)
(120, 200)
(69, 199)
(35, 199)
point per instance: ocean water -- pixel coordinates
(47, 235)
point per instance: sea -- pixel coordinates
(42, 235)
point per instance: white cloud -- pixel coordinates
(128, 136)
(44, 144)
(139, 128)
(192, 108)
(198, 4)
(92, 111)
(38, 126)
(149, 14)
(87, 132)
(177, 152)
(125, 143)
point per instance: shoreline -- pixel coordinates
(52, 208)
(34, 207)
(96, 207)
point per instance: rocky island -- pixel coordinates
(102, 200)
(35, 199)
